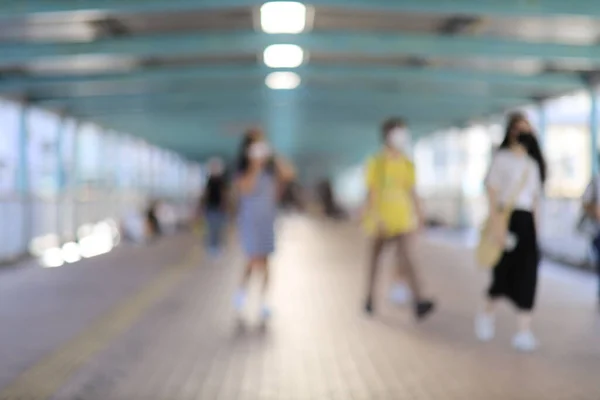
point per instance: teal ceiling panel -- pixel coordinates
(194, 86)
(332, 42)
(464, 7)
(232, 74)
(236, 98)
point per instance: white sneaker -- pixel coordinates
(239, 300)
(485, 327)
(525, 341)
(400, 294)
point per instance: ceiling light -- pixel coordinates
(282, 80)
(283, 56)
(283, 17)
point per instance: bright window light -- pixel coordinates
(52, 258)
(283, 56)
(282, 80)
(283, 17)
(70, 252)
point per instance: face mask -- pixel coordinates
(399, 138)
(259, 151)
(217, 170)
(216, 167)
(526, 139)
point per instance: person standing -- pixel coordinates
(518, 172)
(261, 178)
(214, 206)
(393, 216)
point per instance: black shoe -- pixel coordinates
(369, 307)
(424, 308)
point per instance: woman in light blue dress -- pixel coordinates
(260, 179)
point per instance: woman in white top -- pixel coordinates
(518, 166)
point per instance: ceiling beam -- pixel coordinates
(10, 8)
(238, 99)
(458, 46)
(324, 113)
(232, 94)
(543, 81)
(200, 130)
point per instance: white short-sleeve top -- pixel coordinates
(506, 174)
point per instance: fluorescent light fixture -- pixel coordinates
(283, 17)
(283, 56)
(282, 80)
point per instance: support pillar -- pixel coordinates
(594, 129)
(75, 181)
(23, 179)
(23, 165)
(542, 125)
(61, 177)
(281, 116)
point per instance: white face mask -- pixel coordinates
(259, 151)
(399, 139)
(217, 169)
(215, 166)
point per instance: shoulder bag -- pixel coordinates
(587, 225)
(489, 251)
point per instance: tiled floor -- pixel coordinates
(319, 345)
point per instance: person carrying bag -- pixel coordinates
(509, 241)
(490, 250)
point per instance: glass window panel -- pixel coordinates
(42, 148)
(9, 146)
(568, 159)
(88, 156)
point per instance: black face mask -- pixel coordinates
(526, 139)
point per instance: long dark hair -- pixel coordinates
(534, 151)
(243, 160)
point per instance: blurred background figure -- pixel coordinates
(153, 228)
(213, 205)
(291, 197)
(589, 223)
(261, 178)
(518, 172)
(328, 201)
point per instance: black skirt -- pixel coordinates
(515, 276)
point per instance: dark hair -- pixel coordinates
(243, 161)
(390, 124)
(534, 152)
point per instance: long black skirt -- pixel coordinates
(515, 277)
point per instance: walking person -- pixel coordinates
(590, 222)
(260, 181)
(516, 176)
(393, 217)
(214, 206)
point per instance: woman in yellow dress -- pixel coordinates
(393, 216)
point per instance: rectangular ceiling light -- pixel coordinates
(283, 17)
(283, 56)
(282, 80)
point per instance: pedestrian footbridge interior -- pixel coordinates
(109, 105)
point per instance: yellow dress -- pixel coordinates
(391, 180)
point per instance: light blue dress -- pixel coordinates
(256, 217)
